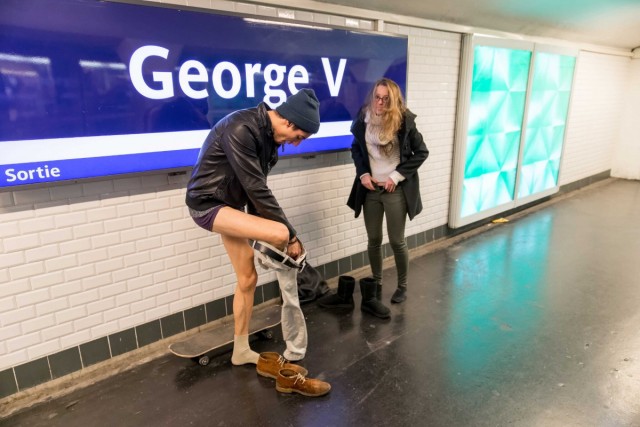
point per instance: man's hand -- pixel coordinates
(295, 248)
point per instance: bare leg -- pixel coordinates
(236, 228)
(241, 256)
(232, 222)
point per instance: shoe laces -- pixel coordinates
(299, 377)
(281, 361)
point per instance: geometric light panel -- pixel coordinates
(498, 94)
(546, 122)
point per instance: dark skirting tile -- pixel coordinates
(148, 333)
(215, 310)
(8, 384)
(331, 270)
(320, 268)
(195, 317)
(271, 290)
(173, 324)
(412, 241)
(123, 342)
(258, 298)
(428, 235)
(65, 362)
(386, 250)
(357, 260)
(95, 351)
(228, 300)
(33, 373)
(421, 238)
(439, 232)
(344, 265)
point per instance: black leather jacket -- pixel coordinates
(233, 164)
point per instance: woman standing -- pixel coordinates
(387, 151)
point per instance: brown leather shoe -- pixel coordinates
(290, 381)
(269, 363)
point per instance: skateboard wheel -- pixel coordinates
(204, 360)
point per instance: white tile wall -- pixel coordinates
(626, 160)
(81, 261)
(593, 124)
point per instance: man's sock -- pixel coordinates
(242, 353)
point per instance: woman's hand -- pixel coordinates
(368, 182)
(389, 186)
(294, 248)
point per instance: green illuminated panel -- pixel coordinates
(498, 90)
(546, 122)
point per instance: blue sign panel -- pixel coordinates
(91, 89)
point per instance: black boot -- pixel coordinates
(399, 295)
(370, 304)
(343, 298)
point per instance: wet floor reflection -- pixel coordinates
(495, 305)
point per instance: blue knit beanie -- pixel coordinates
(302, 110)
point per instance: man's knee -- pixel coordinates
(248, 282)
(281, 235)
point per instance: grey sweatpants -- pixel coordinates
(294, 327)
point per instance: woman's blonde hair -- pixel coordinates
(392, 118)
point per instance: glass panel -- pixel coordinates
(546, 122)
(498, 91)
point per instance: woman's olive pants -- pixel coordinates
(377, 205)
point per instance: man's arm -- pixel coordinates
(240, 147)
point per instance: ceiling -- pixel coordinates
(608, 23)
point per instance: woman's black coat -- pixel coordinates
(413, 152)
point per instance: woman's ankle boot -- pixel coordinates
(370, 304)
(343, 298)
(399, 295)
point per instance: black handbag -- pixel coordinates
(311, 284)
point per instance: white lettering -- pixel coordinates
(334, 84)
(217, 79)
(40, 172)
(185, 78)
(297, 75)
(194, 80)
(164, 77)
(251, 70)
(271, 81)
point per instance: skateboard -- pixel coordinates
(197, 346)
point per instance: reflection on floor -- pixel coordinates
(535, 322)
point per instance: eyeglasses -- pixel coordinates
(384, 99)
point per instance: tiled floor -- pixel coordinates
(535, 322)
